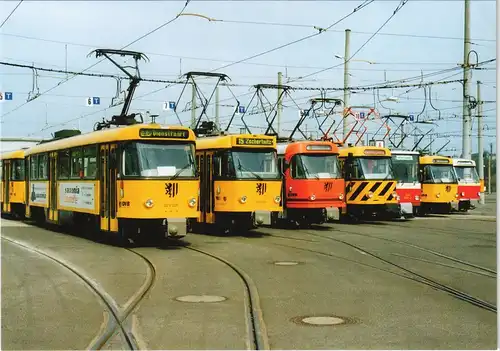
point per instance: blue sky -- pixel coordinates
(205, 46)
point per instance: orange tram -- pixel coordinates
(313, 186)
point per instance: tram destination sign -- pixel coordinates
(164, 133)
(440, 160)
(254, 141)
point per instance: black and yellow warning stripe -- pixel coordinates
(382, 192)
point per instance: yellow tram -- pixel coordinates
(240, 182)
(136, 181)
(13, 190)
(439, 185)
(370, 182)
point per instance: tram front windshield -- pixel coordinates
(254, 164)
(159, 160)
(315, 166)
(405, 168)
(379, 168)
(467, 175)
(439, 174)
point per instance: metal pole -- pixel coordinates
(347, 93)
(66, 59)
(466, 132)
(480, 146)
(489, 168)
(217, 108)
(280, 103)
(193, 106)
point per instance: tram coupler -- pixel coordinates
(454, 206)
(332, 214)
(175, 228)
(464, 205)
(262, 218)
(407, 210)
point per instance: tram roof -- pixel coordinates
(140, 131)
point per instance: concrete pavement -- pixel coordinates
(43, 305)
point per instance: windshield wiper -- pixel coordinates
(307, 171)
(391, 172)
(180, 171)
(240, 168)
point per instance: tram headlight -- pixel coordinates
(341, 196)
(277, 199)
(243, 199)
(370, 194)
(290, 189)
(457, 195)
(479, 194)
(149, 203)
(312, 197)
(397, 198)
(395, 194)
(462, 193)
(417, 197)
(438, 195)
(192, 202)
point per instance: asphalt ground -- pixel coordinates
(426, 283)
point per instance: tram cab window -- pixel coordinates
(158, 160)
(63, 165)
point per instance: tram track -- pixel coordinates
(117, 322)
(258, 339)
(452, 231)
(420, 248)
(410, 274)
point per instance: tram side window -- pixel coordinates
(131, 161)
(90, 162)
(17, 170)
(216, 165)
(63, 164)
(76, 163)
(298, 171)
(227, 169)
(1, 169)
(427, 175)
(34, 167)
(43, 173)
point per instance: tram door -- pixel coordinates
(107, 187)
(53, 214)
(6, 187)
(209, 188)
(204, 160)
